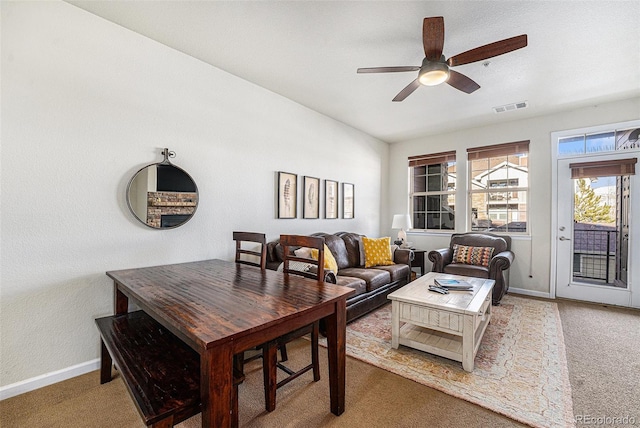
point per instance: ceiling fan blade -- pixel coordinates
(433, 37)
(388, 69)
(408, 90)
(489, 51)
(462, 82)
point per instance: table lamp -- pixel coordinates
(402, 222)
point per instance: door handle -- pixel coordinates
(562, 238)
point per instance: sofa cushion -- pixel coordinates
(357, 284)
(355, 252)
(377, 252)
(337, 248)
(479, 256)
(329, 260)
(398, 271)
(467, 270)
(375, 278)
(272, 253)
(278, 251)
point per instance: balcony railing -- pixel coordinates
(594, 253)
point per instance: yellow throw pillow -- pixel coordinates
(377, 252)
(329, 261)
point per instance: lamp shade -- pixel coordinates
(401, 221)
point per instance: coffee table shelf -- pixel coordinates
(451, 325)
(431, 341)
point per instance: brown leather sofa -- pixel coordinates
(372, 285)
(499, 264)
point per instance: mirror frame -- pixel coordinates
(165, 162)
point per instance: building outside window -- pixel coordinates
(499, 187)
(433, 188)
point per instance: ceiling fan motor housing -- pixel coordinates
(433, 72)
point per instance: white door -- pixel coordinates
(594, 237)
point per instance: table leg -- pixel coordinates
(269, 371)
(105, 364)
(468, 343)
(395, 323)
(121, 302)
(336, 324)
(216, 386)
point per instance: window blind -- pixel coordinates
(603, 168)
(506, 149)
(432, 159)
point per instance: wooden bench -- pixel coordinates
(161, 372)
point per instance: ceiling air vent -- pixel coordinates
(510, 107)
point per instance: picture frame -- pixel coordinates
(311, 195)
(330, 199)
(348, 200)
(287, 195)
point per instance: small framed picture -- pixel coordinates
(348, 196)
(287, 195)
(311, 204)
(330, 199)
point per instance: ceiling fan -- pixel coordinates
(436, 70)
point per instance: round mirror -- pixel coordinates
(162, 196)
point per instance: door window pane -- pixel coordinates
(604, 142)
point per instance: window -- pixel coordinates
(620, 139)
(499, 187)
(433, 188)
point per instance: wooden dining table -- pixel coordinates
(221, 308)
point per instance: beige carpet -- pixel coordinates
(520, 369)
(375, 398)
(604, 368)
(604, 363)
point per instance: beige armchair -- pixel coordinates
(495, 267)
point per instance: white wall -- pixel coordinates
(532, 254)
(85, 104)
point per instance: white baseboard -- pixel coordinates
(48, 379)
(530, 293)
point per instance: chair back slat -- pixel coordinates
(289, 242)
(258, 238)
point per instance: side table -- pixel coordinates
(418, 260)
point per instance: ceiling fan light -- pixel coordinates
(433, 73)
(433, 78)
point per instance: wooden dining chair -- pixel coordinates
(296, 265)
(260, 239)
(257, 238)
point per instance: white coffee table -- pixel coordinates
(449, 325)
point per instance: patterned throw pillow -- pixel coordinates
(479, 256)
(329, 261)
(377, 252)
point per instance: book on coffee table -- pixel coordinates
(453, 284)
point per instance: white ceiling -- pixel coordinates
(579, 54)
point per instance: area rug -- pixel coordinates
(520, 369)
